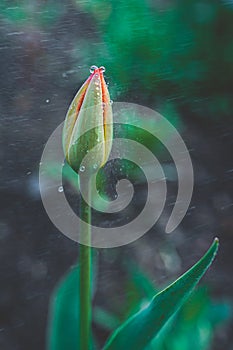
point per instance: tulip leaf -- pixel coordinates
(63, 325)
(105, 319)
(140, 329)
(63, 320)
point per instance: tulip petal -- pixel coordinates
(88, 124)
(72, 114)
(107, 118)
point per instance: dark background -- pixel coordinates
(172, 56)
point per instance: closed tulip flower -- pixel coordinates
(88, 124)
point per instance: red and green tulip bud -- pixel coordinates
(88, 125)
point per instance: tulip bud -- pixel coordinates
(88, 124)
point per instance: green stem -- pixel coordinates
(85, 271)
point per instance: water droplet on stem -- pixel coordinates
(82, 168)
(60, 189)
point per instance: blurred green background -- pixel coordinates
(174, 56)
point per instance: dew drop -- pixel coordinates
(95, 166)
(47, 101)
(102, 69)
(60, 189)
(111, 102)
(93, 68)
(82, 168)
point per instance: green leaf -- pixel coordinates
(105, 319)
(142, 283)
(63, 314)
(138, 331)
(190, 328)
(63, 321)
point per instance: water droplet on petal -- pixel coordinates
(82, 168)
(111, 102)
(60, 189)
(102, 69)
(93, 68)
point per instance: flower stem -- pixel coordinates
(85, 270)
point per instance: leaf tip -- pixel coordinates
(215, 246)
(216, 243)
